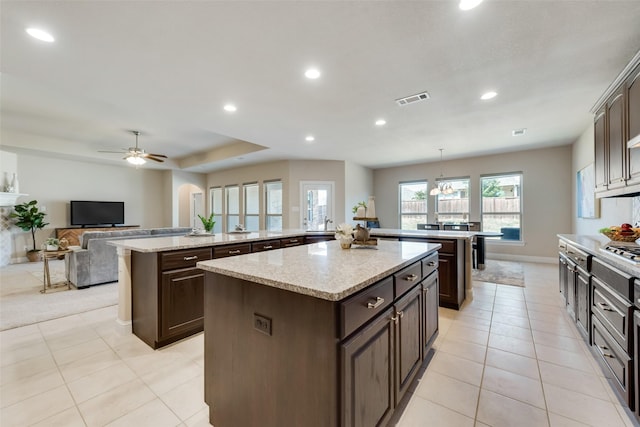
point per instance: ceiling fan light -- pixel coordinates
(135, 160)
(434, 191)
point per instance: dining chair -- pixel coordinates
(428, 226)
(456, 227)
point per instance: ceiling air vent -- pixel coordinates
(413, 98)
(518, 132)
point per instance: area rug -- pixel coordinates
(500, 272)
(21, 302)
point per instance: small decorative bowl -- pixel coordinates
(620, 238)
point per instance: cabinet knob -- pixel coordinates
(411, 278)
(432, 264)
(378, 301)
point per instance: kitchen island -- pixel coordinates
(150, 255)
(317, 335)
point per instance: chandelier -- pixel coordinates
(443, 187)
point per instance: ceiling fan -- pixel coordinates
(137, 156)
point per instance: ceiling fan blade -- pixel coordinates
(157, 155)
(150, 157)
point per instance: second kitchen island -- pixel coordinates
(317, 335)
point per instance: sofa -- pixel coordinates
(95, 262)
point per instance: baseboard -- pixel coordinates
(522, 258)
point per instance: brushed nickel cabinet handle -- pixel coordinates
(378, 302)
(237, 251)
(400, 314)
(293, 241)
(604, 306)
(267, 247)
(190, 258)
(395, 319)
(432, 264)
(411, 278)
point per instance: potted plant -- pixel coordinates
(344, 234)
(52, 244)
(29, 218)
(360, 209)
(207, 223)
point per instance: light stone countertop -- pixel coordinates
(592, 244)
(170, 243)
(323, 270)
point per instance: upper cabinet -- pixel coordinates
(616, 123)
(633, 120)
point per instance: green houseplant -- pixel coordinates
(207, 223)
(29, 218)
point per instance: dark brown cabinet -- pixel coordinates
(308, 240)
(231, 250)
(451, 264)
(265, 246)
(636, 358)
(633, 120)
(293, 241)
(368, 361)
(167, 295)
(601, 155)
(408, 318)
(429, 312)
(583, 302)
(616, 123)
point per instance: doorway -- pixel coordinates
(196, 207)
(316, 199)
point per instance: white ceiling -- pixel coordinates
(166, 68)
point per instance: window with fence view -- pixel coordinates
(454, 207)
(502, 204)
(413, 204)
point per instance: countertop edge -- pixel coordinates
(592, 244)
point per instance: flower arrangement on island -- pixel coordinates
(344, 234)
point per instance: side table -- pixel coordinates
(46, 256)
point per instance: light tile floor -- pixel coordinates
(509, 357)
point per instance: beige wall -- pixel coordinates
(613, 211)
(54, 182)
(547, 195)
(358, 187)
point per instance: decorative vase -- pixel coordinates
(52, 247)
(33, 256)
(64, 244)
(361, 212)
(14, 184)
(345, 243)
(371, 207)
(361, 234)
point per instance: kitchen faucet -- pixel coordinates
(327, 221)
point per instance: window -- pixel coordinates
(273, 205)
(413, 204)
(232, 196)
(454, 207)
(251, 206)
(215, 195)
(502, 204)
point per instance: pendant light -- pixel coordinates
(443, 187)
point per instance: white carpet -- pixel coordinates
(500, 272)
(21, 302)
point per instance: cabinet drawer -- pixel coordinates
(613, 357)
(579, 257)
(358, 309)
(562, 246)
(407, 278)
(231, 250)
(429, 264)
(614, 312)
(619, 281)
(265, 246)
(183, 259)
(294, 241)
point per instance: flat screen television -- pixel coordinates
(96, 213)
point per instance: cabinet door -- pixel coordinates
(633, 120)
(448, 280)
(429, 312)
(617, 144)
(636, 358)
(571, 289)
(562, 276)
(181, 302)
(368, 380)
(408, 340)
(583, 304)
(600, 164)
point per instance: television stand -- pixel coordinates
(72, 234)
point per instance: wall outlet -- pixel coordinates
(262, 324)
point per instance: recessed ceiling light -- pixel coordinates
(312, 73)
(309, 138)
(468, 4)
(381, 122)
(488, 95)
(518, 132)
(230, 108)
(40, 35)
